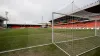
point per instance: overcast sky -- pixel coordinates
(31, 11)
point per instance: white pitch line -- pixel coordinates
(71, 40)
(40, 45)
(62, 50)
(88, 51)
(75, 39)
(25, 48)
(19, 35)
(22, 35)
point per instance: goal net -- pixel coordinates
(73, 34)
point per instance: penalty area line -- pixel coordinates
(24, 48)
(22, 35)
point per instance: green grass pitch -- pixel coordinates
(19, 38)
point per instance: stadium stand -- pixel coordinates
(80, 25)
(23, 26)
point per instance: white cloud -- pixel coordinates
(31, 11)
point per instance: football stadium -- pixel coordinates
(69, 30)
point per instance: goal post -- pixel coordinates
(74, 37)
(75, 33)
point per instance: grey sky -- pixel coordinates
(31, 11)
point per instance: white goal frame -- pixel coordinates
(95, 28)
